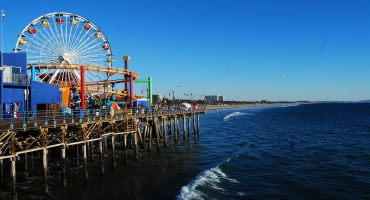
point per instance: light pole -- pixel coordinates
(1, 50)
(195, 98)
(173, 95)
(204, 96)
(2, 41)
(187, 94)
(164, 98)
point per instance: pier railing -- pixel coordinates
(22, 134)
(25, 119)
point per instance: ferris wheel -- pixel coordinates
(59, 43)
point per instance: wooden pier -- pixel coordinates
(21, 138)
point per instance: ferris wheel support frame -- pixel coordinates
(82, 70)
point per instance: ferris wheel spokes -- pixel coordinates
(65, 39)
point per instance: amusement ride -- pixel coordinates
(72, 52)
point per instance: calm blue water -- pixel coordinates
(308, 151)
(311, 151)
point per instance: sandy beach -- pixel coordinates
(225, 106)
(218, 107)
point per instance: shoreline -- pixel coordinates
(218, 107)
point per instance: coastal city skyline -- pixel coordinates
(244, 50)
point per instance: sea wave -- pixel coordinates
(234, 114)
(290, 105)
(211, 179)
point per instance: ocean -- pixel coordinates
(303, 151)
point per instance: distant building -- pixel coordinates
(211, 97)
(214, 98)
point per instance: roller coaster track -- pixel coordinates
(90, 67)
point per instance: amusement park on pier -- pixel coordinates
(59, 89)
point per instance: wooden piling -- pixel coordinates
(105, 146)
(136, 149)
(45, 168)
(1, 174)
(157, 134)
(63, 159)
(149, 139)
(163, 125)
(198, 125)
(86, 173)
(112, 123)
(195, 127)
(13, 176)
(178, 127)
(129, 141)
(92, 151)
(25, 167)
(84, 149)
(164, 132)
(125, 148)
(77, 155)
(184, 127)
(113, 155)
(189, 122)
(144, 134)
(13, 179)
(45, 160)
(159, 128)
(101, 157)
(138, 130)
(63, 164)
(175, 131)
(100, 148)
(170, 127)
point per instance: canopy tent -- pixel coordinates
(113, 105)
(186, 105)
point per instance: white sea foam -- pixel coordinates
(241, 193)
(209, 178)
(234, 114)
(188, 192)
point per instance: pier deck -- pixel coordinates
(39, 132)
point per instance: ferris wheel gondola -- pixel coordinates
(59, 43)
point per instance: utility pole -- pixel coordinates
(2, 40)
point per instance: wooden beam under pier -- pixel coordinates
(37, 135)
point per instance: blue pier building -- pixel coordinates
(18, 90)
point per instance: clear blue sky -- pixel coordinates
(235, 48)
